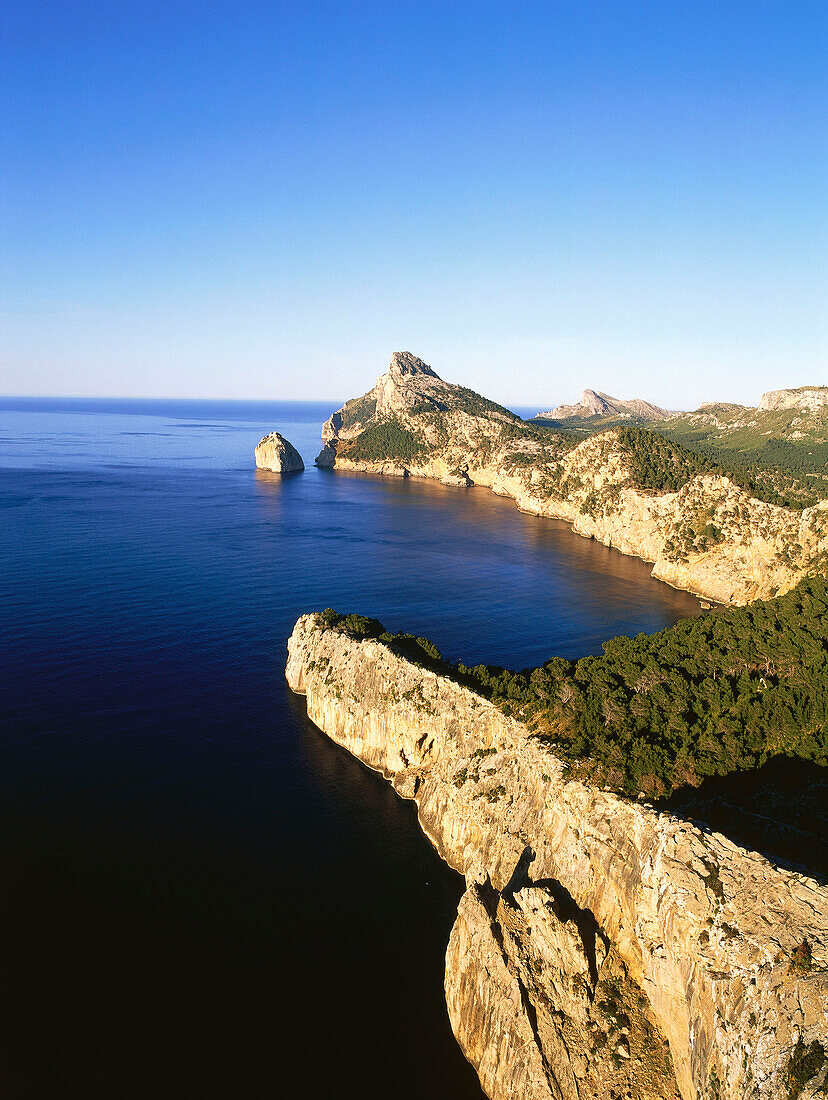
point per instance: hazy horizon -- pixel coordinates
(337, 401)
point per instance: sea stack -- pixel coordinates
(276, 454)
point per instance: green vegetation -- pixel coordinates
(385, 440)
(358, 411)
(473, 403)
(661, 463)
(656, 464)
(802, 959)
(755, 450)
(776, 469)
(710, 696)
(419, 650)
(805, 1063)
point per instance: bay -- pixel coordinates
(199, 891)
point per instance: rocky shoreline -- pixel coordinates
(708, 537)
(602, 949)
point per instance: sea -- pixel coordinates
(199, 893)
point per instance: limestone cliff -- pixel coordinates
(602, 949)
(806, 399)
(276, 454)
(710, 536)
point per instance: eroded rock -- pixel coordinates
(710, 537)
(276, 454)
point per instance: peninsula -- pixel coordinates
(602, 949)
(701, 523)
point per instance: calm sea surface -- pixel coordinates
(199, 892)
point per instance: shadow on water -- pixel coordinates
(370, 907)
(779, 810)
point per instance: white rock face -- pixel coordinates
(694, 934)
(806, 399)
(276, 454)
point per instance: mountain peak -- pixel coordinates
(405, 365)
(595, 403)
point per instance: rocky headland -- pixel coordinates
(701, 530)
(602, 949)
(277, 455)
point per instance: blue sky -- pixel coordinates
(256, 200)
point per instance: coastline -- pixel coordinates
(703, 928)
(752, 563)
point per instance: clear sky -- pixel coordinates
(265, 200)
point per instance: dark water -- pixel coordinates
(199, 892)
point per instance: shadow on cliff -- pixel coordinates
(566, 907)
(779, 810)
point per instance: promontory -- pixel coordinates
(704, 526)
(612, 944)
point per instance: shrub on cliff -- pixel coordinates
(358, 626)
(384, 441)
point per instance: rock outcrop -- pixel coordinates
(593, 403)
(602, 949)
(807, 399)
(709, 537)
(276, 454)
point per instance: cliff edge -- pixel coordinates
(602, 949)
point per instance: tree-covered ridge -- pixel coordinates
(778, 456)
(709, 696)
(786, 465)
(655, 464)
(663, 460)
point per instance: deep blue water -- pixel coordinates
(198, 891)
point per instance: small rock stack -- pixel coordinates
(276, 454)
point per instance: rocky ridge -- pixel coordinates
(601, 949)
(593, 403)
(709, 536)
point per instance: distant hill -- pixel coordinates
(597, 404)
(780, 445)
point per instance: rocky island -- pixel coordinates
(275, 454)
(631, 489)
